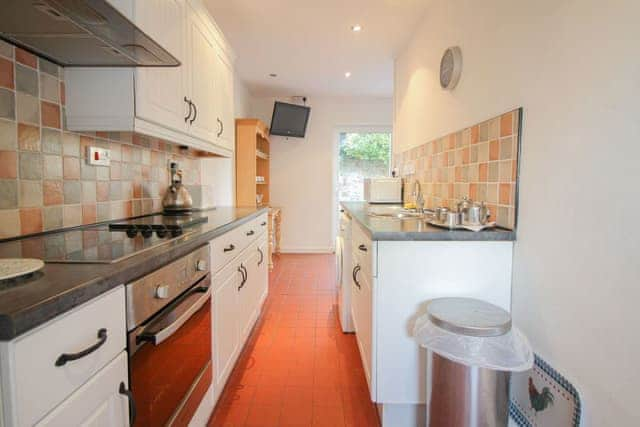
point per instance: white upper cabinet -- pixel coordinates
(189, 105)
(161, 92)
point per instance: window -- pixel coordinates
(361, 155)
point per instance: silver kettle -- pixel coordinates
(177, 197)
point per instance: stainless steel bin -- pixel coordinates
(464, 388)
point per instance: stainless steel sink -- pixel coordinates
(397, 212)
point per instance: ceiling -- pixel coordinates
(310, 46)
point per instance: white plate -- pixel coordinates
(15, 267)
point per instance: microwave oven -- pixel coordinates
(383, 190)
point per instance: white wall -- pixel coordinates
(574, 67)
(303, 171)
(219, 171)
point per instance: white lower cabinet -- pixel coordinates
(101, 402)
(240, 287)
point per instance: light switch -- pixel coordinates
(98, 156)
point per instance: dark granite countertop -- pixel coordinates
(388, 228)
(57, 288)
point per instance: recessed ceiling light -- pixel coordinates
(273, 75)
(347, 74)
(356, 28)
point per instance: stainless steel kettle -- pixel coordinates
(177, 197)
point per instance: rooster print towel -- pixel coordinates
(542, 397)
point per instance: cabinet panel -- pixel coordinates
(226, 322)
(98, 403)
(201, 79)
(225, 102)
(160, 92)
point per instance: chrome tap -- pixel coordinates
(418, 197)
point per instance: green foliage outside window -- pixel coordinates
(366, 146)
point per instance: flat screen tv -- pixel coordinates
(289, 119)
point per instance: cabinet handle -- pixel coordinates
(132, 403)
(188, 101)
(250, 233)
(261, 256)
(356, 269)
(243, 273)
(221, 126)
(64, 357)
(263, 223)
(230, 248)
(363, 248)
(195, 113)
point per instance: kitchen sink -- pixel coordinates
(397, 212)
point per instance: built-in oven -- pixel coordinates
(169, 340)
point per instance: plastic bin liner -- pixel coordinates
(508, 352)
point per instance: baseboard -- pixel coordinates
(307, 250)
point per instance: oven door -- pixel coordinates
(170, 359)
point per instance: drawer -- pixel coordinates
(262, 223)
(42, 380)
(228, 246)
(364, 250)
(98, 402)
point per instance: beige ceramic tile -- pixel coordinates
(30, 194)
(9, 223)
(72, 215)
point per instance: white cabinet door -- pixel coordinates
(249, 292)
(101, 402)
(201, 79)
(225, 102)
(160, 92)
(226, 321)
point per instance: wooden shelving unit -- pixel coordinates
(252, 160)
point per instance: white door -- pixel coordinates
(160, 92)
(202, 53)
(101, 402)
(225, 104)
(226, 317)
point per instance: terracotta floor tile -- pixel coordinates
(229, 416)
(263, 416)
(324, 416)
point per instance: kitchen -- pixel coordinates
(249, 292)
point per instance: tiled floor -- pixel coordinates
(298, 368)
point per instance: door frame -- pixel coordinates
(335, 164)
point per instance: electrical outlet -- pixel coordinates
(98, 156)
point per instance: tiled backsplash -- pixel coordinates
(480, 162)
(45, 182)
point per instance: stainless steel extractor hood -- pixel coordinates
(80, 33)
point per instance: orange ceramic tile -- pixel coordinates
(494, 150)
(506, 124)
(88, 213)
(30, 220)
(52, 193)
(26, 58)
(6, 73)
(50, 114)
(102, 191)
(8, 164)
(482, 172)
(28, 137)
(505, 194)
(473, 191)
(475, 133)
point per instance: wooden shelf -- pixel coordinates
(252, 159)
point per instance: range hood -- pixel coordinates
(80, 33)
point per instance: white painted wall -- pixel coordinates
(219, 171)
(303, 171)
(574, 67)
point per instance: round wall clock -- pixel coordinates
(450, 67)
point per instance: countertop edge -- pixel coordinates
(434, 236)
(14, 325)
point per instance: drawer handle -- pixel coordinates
(64, 357)
(263, 223)
(250, 233)
(132, 403)
(363, 248)
(261, 256)
(356, 269)
(245, 274)
(230, 248)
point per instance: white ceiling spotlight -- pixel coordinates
(347, 74)
(356, 28)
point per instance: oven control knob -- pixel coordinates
(201, 265)
(162, 292)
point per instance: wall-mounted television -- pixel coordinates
(289, 119)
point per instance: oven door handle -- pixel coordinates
(160, 336)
